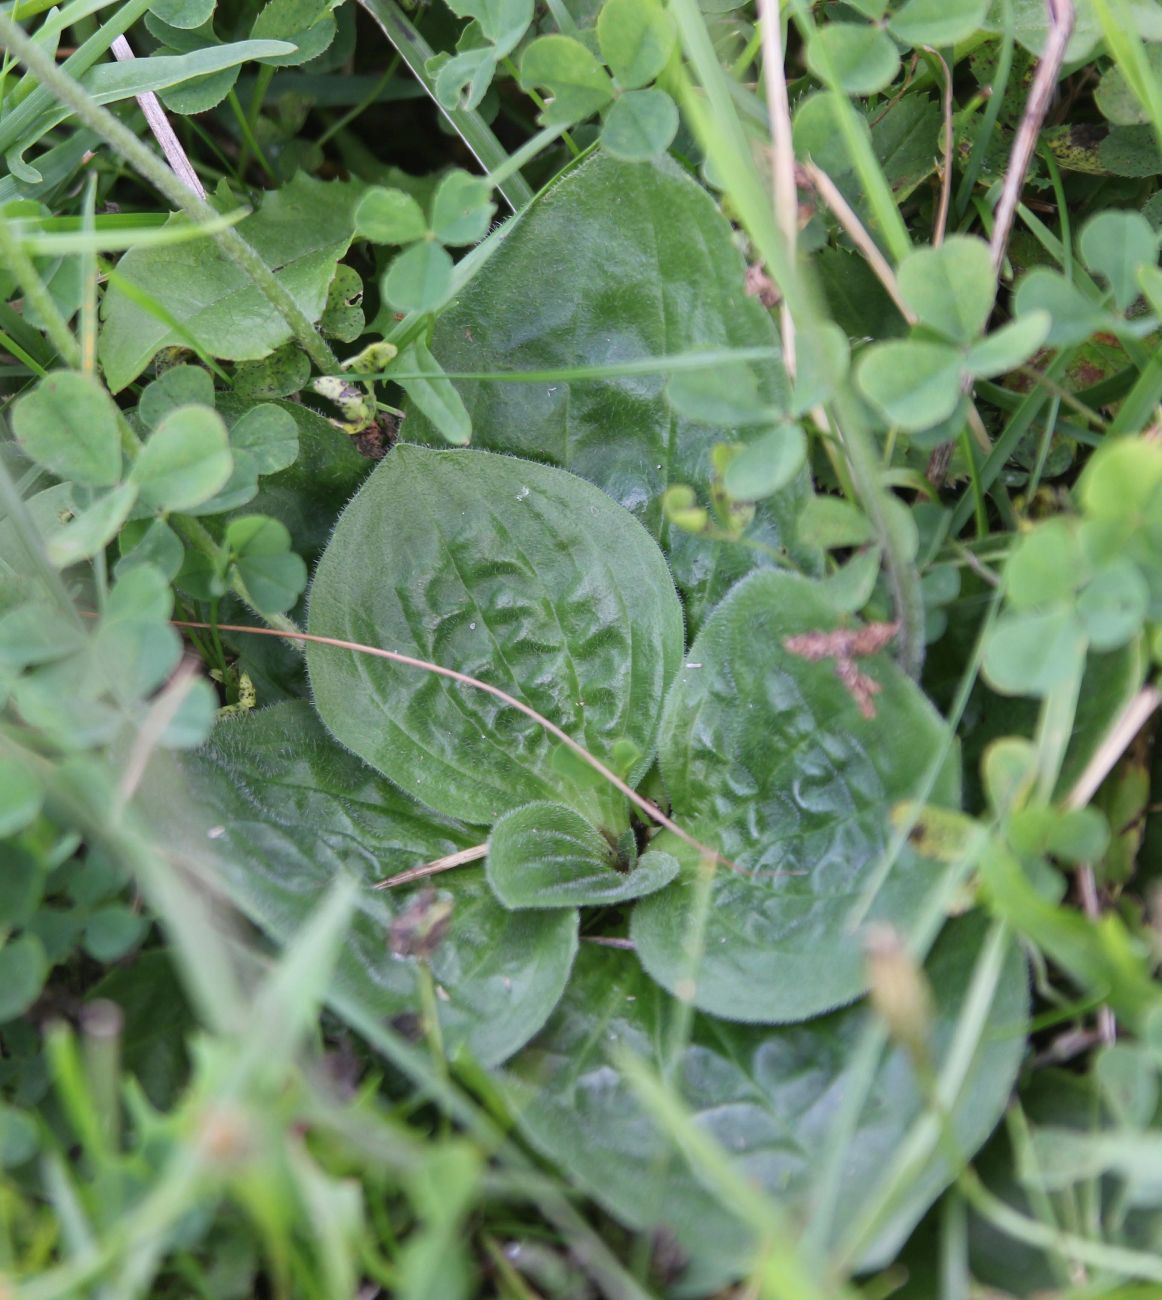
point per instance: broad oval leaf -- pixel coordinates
(822, 358)
(178, 386)
(773, 760)
(276, 809)
(284, 371)
(815, 132)
(1116, 98)
(772, 1098)
(184, 14)
(1032, 23)
(198, 94)
(300, 231)
(1045, 566)
(1114, 604)
(111, 932)
(547, 855)
(24, 967)
(515, 573)
(1122, 481)
(342, 316)
(309, 25)
(726, 395)
(616, 263)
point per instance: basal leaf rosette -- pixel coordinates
(771, 758)
(518, 574)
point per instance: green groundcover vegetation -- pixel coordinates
(580, 604)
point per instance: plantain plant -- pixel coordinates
(580, 591)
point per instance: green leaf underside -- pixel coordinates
(769, 1095)
(547, 855)
(300, 231)
(767, 758)
(509, 571)
(617, 262)
(288, 809)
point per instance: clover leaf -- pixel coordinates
(916, 383)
